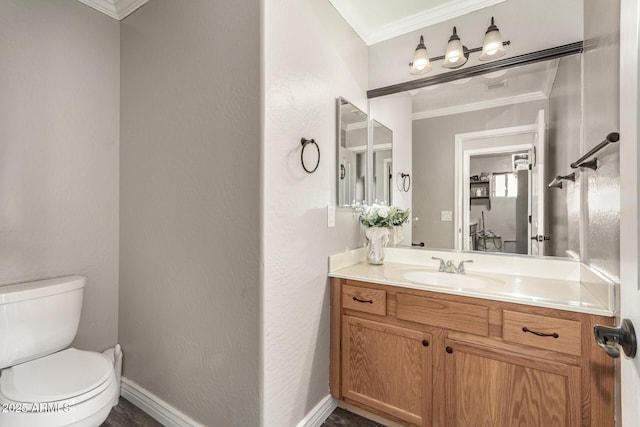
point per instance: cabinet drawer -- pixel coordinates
(372, 301)
(473, 319)
(545, 332)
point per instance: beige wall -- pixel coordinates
(59, 121)
(190, 206)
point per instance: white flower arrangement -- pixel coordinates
(384, 216)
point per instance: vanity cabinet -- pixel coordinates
(397, 380)
(489, 387)
(425, 358)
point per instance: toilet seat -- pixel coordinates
(70, 376)
(69, 388)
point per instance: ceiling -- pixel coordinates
(117, 9)
(378, 20)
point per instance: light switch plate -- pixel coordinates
(331, 216)
(446, 216)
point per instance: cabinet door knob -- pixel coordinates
(449, 350)
(425, 343)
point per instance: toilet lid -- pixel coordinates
(59, 376)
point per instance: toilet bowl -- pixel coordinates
(39, 384)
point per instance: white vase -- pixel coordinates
(378, 238)
(395, 236)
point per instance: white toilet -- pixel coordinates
(39, 384)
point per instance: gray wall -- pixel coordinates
(311, 57)
(59, 121)
(565, 122)
(601, 116)
(433, 164)
(190, 206)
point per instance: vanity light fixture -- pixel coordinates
(492, 47)
(420, 64)
(457, 54)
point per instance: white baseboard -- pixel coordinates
(319, 413)
(164, 413)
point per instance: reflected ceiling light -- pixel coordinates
(420, 64)
(457, 54)
(492, 47)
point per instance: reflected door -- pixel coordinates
(538, 232)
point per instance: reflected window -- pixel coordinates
(504, 184)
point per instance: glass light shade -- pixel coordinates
(492, 47)
(420, 64)
(454, 57)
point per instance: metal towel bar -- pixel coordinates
(611, 138)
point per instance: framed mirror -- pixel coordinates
(351, 161)
(483, 151)
(382, 179)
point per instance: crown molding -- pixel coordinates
(117, 9)
(482, 105)
(411, 23)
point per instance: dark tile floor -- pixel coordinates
(343, 418)
(127, 414)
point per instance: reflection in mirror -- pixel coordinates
(351, 153)
(382, 163)
(483, 152)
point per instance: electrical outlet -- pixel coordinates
(446, 216)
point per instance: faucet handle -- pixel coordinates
(442, 265)
(461, 266)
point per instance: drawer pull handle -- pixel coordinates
(370, 301)
(540, 334)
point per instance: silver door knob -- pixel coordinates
(624, 336)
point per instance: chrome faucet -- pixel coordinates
(461, 266)
(443, 267)
(449, 266)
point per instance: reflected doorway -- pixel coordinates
(499, 200)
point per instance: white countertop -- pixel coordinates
(563, 290)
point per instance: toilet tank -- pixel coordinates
(38, 318)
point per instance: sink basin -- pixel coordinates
(436, 278)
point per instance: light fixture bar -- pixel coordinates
(476, 70)
(475, 49)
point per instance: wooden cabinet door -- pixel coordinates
(387, 368)
(488, 387)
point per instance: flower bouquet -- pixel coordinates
(382, 222)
